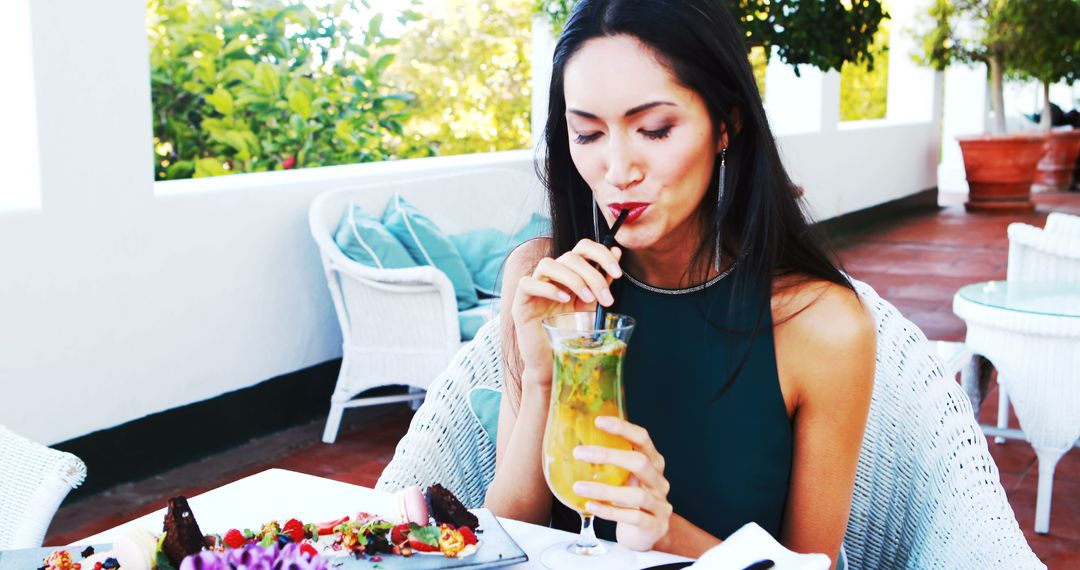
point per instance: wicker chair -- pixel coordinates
(400, 326)
(34, 480)
(1040, 254)
(927, 493)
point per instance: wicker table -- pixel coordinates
(1031, 333)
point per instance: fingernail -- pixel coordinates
(586, 296)
(582, 454)
(603, 422)
(564, 297)
(581, 488)
(614, 271)
(606, 298)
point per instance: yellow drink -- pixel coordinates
(586, 384)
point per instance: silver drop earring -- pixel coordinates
(719, 201)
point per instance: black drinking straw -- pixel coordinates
(609, 240)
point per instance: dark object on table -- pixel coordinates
(761, 565)
(446, 508)
(87, 552)
(671, 566)
(182, 534)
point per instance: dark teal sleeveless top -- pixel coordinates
(728, 456)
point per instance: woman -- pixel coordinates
(749, 374)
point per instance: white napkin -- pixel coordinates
(752, 543)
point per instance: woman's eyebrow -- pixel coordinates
(628, 114)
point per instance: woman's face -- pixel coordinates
(640, 140)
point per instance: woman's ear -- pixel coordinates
(722, 140)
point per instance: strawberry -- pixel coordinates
(294, 529)
(308, 550)
(399, 534)
(468, 535)
(421, 546)
(328, 526)
(234, 539)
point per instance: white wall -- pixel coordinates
(18, 133)
(122, 298)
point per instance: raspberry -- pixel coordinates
(400, 533)
(468, 535)
(234, 539)
(294, 529)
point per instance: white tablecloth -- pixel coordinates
(280, 494)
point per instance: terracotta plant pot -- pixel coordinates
(1000, 170)
(1055, 171)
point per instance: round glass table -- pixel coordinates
(1030, 331)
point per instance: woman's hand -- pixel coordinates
(640, 508)
(562, 285)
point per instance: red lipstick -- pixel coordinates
(636, 209)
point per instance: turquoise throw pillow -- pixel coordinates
(486, 250)
(365, 240)
(484, 403)
(428, 245)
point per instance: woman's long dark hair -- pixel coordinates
(763, 226)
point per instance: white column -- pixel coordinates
(964, 113)
(20, 177)
(543, 47)
(794, 103)
(911, 86)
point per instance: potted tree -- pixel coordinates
(1047, 48)
(999, 167)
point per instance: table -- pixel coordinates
(281, 494)
(1030, 331)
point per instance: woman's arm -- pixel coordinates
(826, 355)
(519, 490)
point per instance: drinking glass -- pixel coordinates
(587, 382)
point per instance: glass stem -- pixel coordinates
(587, 538)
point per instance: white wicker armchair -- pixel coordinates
(445, 443)
(927, 493)
(1040, 254)
(400, 326)
(34, 479)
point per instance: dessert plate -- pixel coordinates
(497, 549)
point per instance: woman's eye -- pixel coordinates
(657, 134)
(586, 139)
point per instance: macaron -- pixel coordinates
(412, 506)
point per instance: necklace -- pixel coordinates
(693, 289)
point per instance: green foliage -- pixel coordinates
(962, 31)
(1047, 39)
(268, 84)
(864, 89)
(468, 63)
(822, 33)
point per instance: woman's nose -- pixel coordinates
(623, 169)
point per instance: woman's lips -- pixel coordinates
(636, 210)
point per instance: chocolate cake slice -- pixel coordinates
(446, 508)
(182, 534)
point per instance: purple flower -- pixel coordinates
(204, 560)
(254, 557)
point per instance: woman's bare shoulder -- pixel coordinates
(523, 259)
(826, 333)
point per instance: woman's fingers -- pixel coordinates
(559, 273)
(597, 282)
(657, 523)
(635, 434)
(631, 497)
(606, 258)
(633, 461)
(536, 288)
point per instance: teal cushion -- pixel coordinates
(486, 250)
(428, 245)
(365, 240)
(484, 403)
(470, 320)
